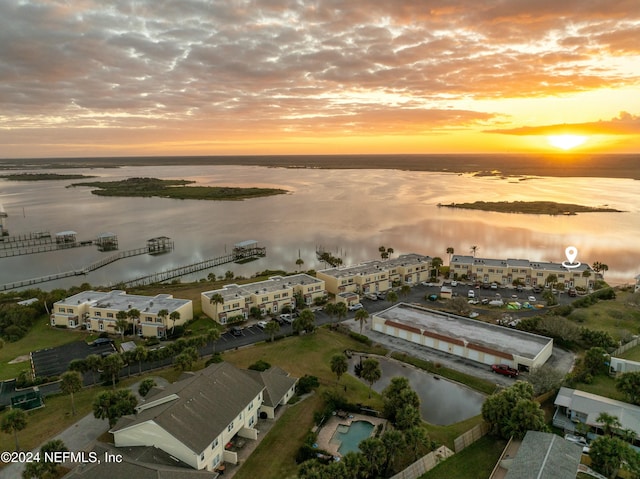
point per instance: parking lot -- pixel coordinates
(55, 361)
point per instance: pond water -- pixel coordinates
(442, 402)
(350, 436)
(348, 212)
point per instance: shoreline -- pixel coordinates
(525, 166)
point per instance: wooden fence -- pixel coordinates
(471, 436)
(424, 464)
(626, 347)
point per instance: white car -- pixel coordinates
(355, 307)
(532, 299)
(454, 284)
(576, 439)
(287, 318)
(262, 324)
(471, 294)
(371, 296)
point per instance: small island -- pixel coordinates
(531, 207)
(175, 189)
(42, 176)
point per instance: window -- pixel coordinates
(214, 444)
(109, 315)
(265, 299)
(70, 310)
(276, 296)
(101, 327)
(202, 456)
(236, 305)
(285, 295)
(251, 421)
(275, 308)
(148, 318)
(230, 427)
(250, 406)
(98, 313)
(226, 307)
(216, 460)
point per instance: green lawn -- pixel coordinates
(632, 354)
(614, 316)
(603, 386)
(475, 462)
(41, 336)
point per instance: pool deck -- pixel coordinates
(329, 428)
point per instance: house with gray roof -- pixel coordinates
(574, 406)
(198, 417)
(279, 388)
(542, 455)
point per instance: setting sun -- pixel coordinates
(566, 142)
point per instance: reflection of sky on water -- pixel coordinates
(350, 212)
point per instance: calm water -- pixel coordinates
(357, 432)
(349, 212)
(441, 402)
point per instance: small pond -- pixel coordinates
(442, 402)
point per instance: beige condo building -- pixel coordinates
(376, 276)
(270, 296)
(523, 271)
(97, 311)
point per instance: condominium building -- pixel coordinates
(375, 276)
(98, 311)
(270, 296)
(523, 271)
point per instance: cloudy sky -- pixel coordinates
(206, 77)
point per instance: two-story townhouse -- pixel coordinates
(270, 296)
(520, 271)
(195, 418)
(376, 276)
(98, 311)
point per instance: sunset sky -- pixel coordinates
(195, 77)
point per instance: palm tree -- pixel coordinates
(15, 420)
(587, 274)
(134, 315)
(390, 251)
(392, 297)
(435, 265)
(299, 263)
(330, 309)
(71, 382)
(450, 252)
(140, 354)
(93, 364)
(405, 290)
(112, 365)
(383, 252)
(162, 314)
(361, 315)
(552, 279)
(213, 335)
(174, 316)
(272, 328)
(339, 366)
(340, 311)
(371, 372)
(609, 423)
(474, 250)
(122, 323)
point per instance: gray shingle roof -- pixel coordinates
(545, 456)
(199, 407)
(277, 383)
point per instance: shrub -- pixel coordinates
(260, 365)
(215, 359)
(361, 338)
(306, 383)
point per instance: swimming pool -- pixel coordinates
(351, 436)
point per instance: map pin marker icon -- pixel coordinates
(571, 252)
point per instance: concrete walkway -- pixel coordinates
(80, 436)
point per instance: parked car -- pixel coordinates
(287, 318)
(262, 324)
(471, 294)
(537, 289)
(382, 294)
(532, 299)
(432, 297)
(236, 331)
(355, 307)
(505, 370)
(572, 292)
(576, 439)
(494, 285)
(102, 341)
(371, 296)
(454, 283)
(519, 288)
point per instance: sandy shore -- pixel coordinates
(602, 166)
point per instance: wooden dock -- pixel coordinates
(238, 255)
(149, 249)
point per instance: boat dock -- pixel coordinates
(242, 252)
(154, 246)
(44, 242)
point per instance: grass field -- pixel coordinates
(475, 462)
(40, 336)
(618, 317)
